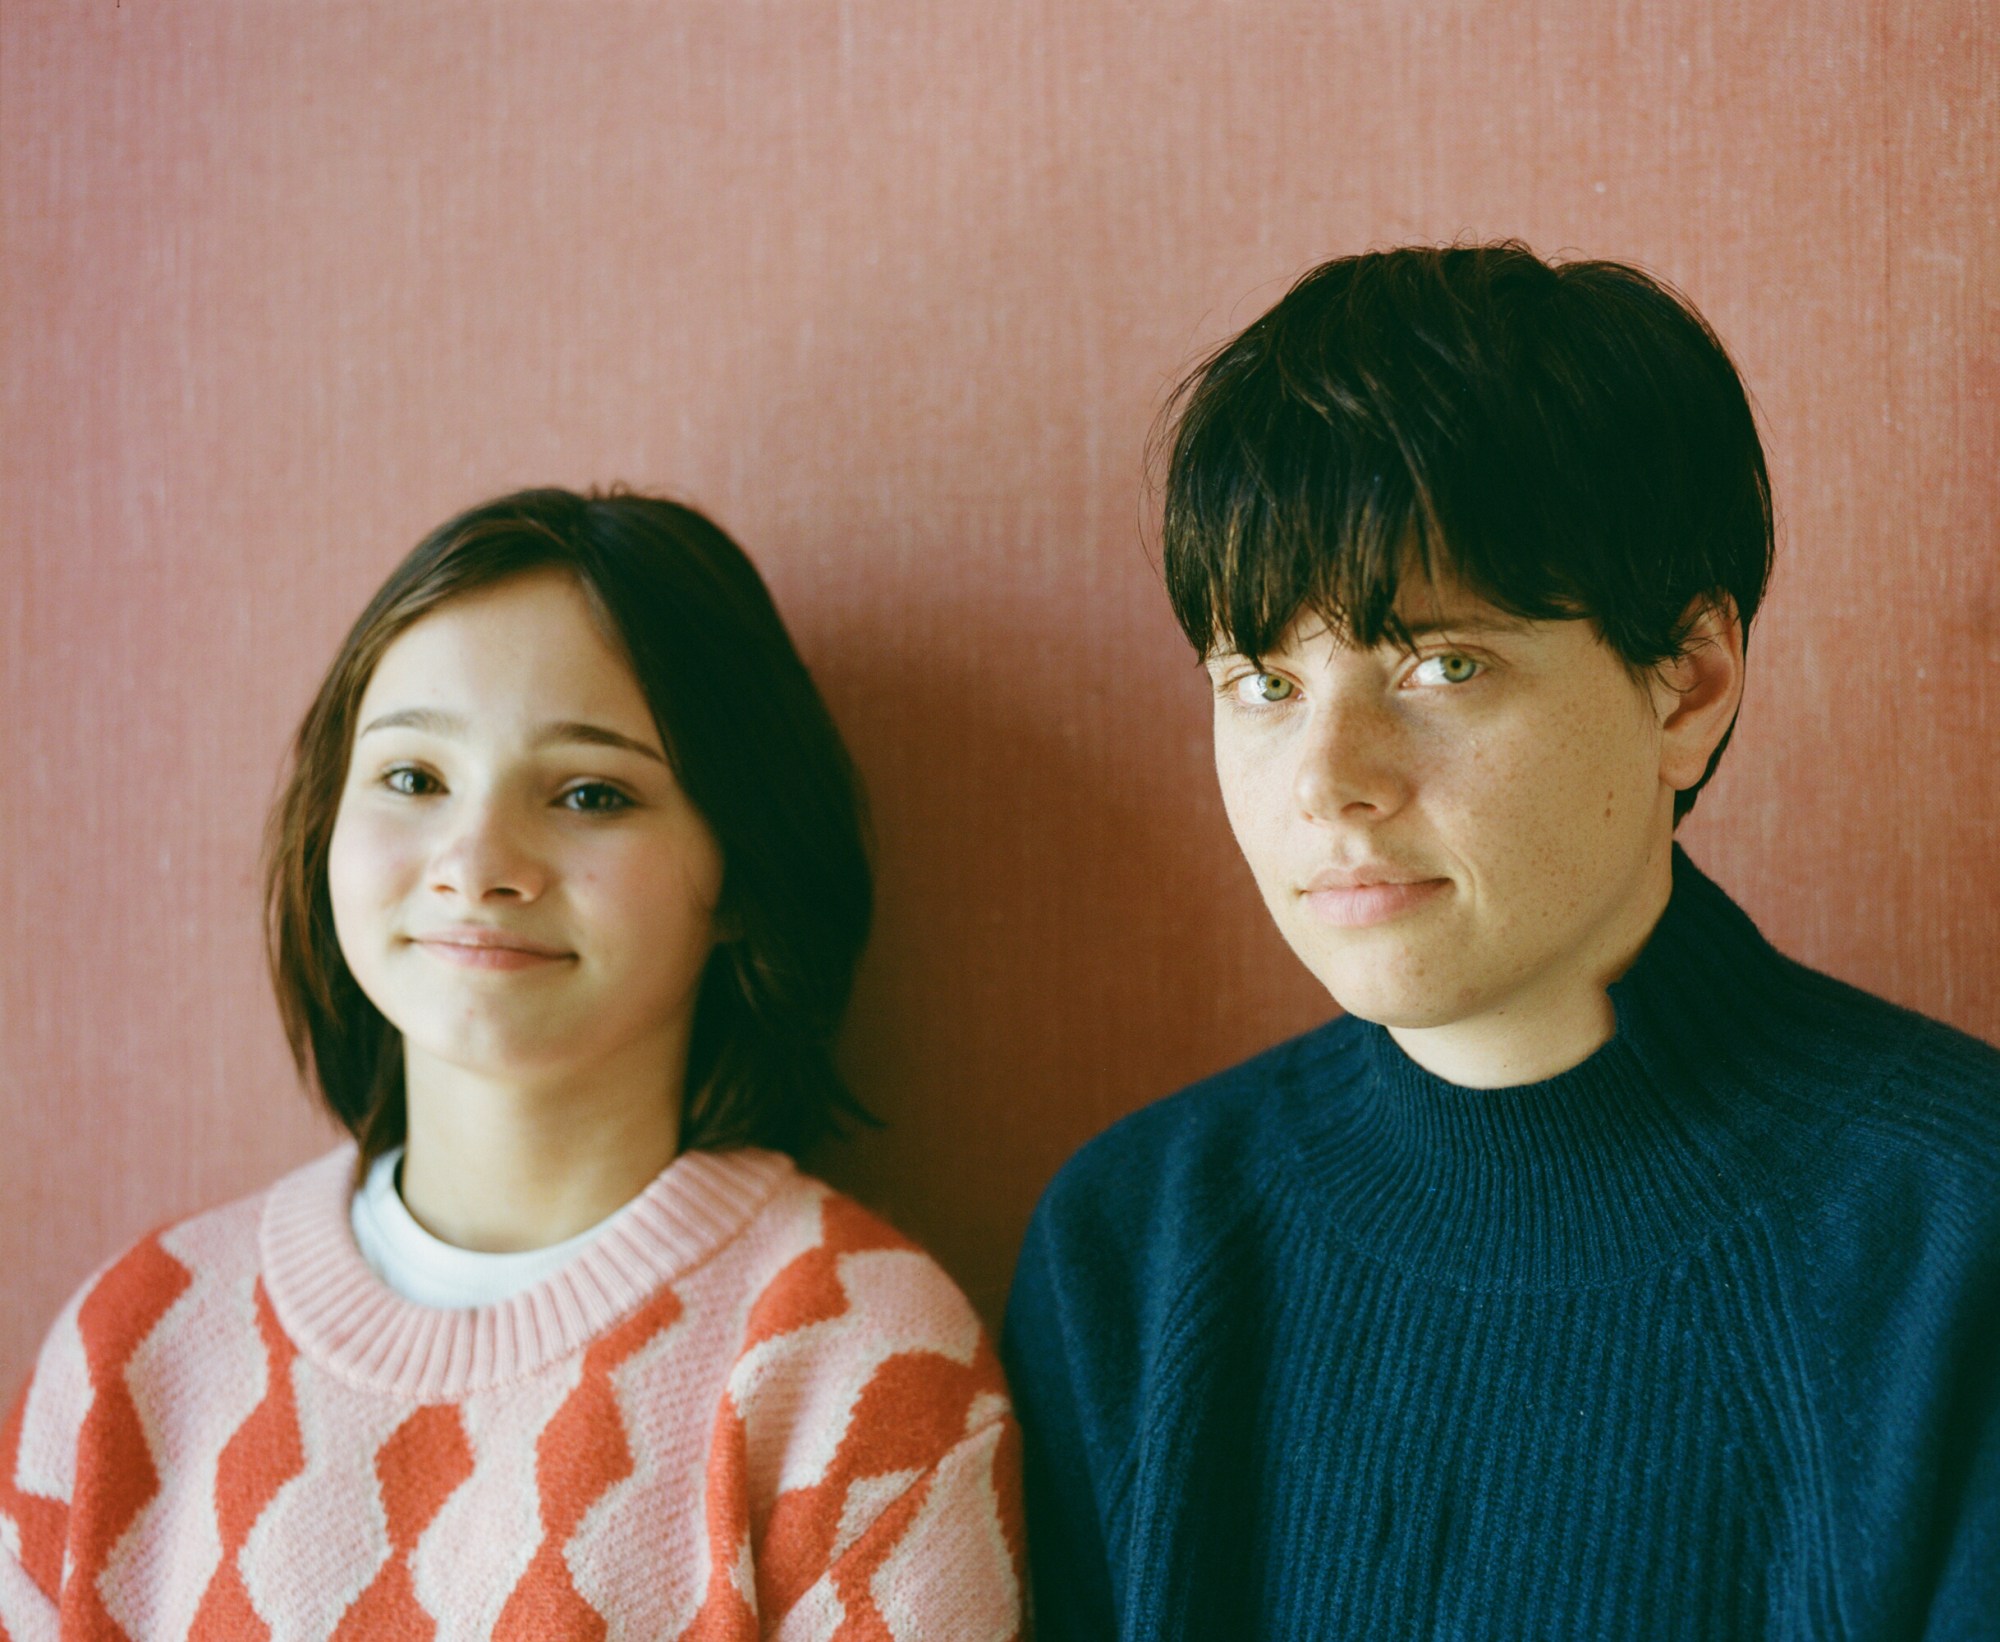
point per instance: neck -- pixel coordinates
(1559, 1019)
(504, 1164)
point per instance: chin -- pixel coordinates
(1379, 998)
(501, 1055)
(1392, 1012)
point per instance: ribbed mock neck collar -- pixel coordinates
(349, 1322)
(1665, 1133)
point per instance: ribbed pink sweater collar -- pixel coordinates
(343, 1317)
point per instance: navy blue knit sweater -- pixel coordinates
(1700, 1339)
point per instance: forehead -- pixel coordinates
(533, 643)
(1442, 598)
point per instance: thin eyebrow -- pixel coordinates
(596, 735)
(432, 722)
(427, 719)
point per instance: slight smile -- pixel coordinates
(474, 947)
(1358, 901)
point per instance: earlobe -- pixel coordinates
(1698, 692)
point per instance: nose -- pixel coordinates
(1352, 765)
(487, 855)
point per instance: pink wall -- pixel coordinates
(895, 289)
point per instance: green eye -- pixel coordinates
(1270, 687)
(1449, 668)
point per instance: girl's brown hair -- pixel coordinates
(752, 746)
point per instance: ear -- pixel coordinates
(1697, 693)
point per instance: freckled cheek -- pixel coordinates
(1499, 805)
(1586, 793)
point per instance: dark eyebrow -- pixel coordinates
(1470, 622)
(432, 722)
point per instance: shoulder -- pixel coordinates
(1133, 1252)
(158, 1301)
(1891, 1165)
(1943, 1070)
(1896, 1212)
(1918, 1147)
(1848, 1054)
(120, 1304)
(839, 1288)
(1205, 1152)
(1945, 1084)
(1838, 1065)
(1168, 1204)
(868, 1420)
(1913, 1090)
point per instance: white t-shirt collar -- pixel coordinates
(426, 1270)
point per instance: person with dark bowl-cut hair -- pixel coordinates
(1600, 1272)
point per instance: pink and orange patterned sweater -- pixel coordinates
(748, 1409)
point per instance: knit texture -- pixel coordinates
(1698, 1340)
(749, 1409)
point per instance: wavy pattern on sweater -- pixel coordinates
(757, 1412)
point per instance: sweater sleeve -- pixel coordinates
(1967, 1602)
(1067, 1454)
(37, 1461)
(865, 1461)
(26, 1613)
(1898, 1220)
(935, 1559)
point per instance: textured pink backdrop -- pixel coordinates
(895, 290)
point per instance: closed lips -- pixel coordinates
(1365, 878)
(1355, 900)
(488, 948)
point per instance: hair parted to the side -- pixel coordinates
(750, 742)
(1569, 440)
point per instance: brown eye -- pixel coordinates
(410, 781)
(595, 798)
